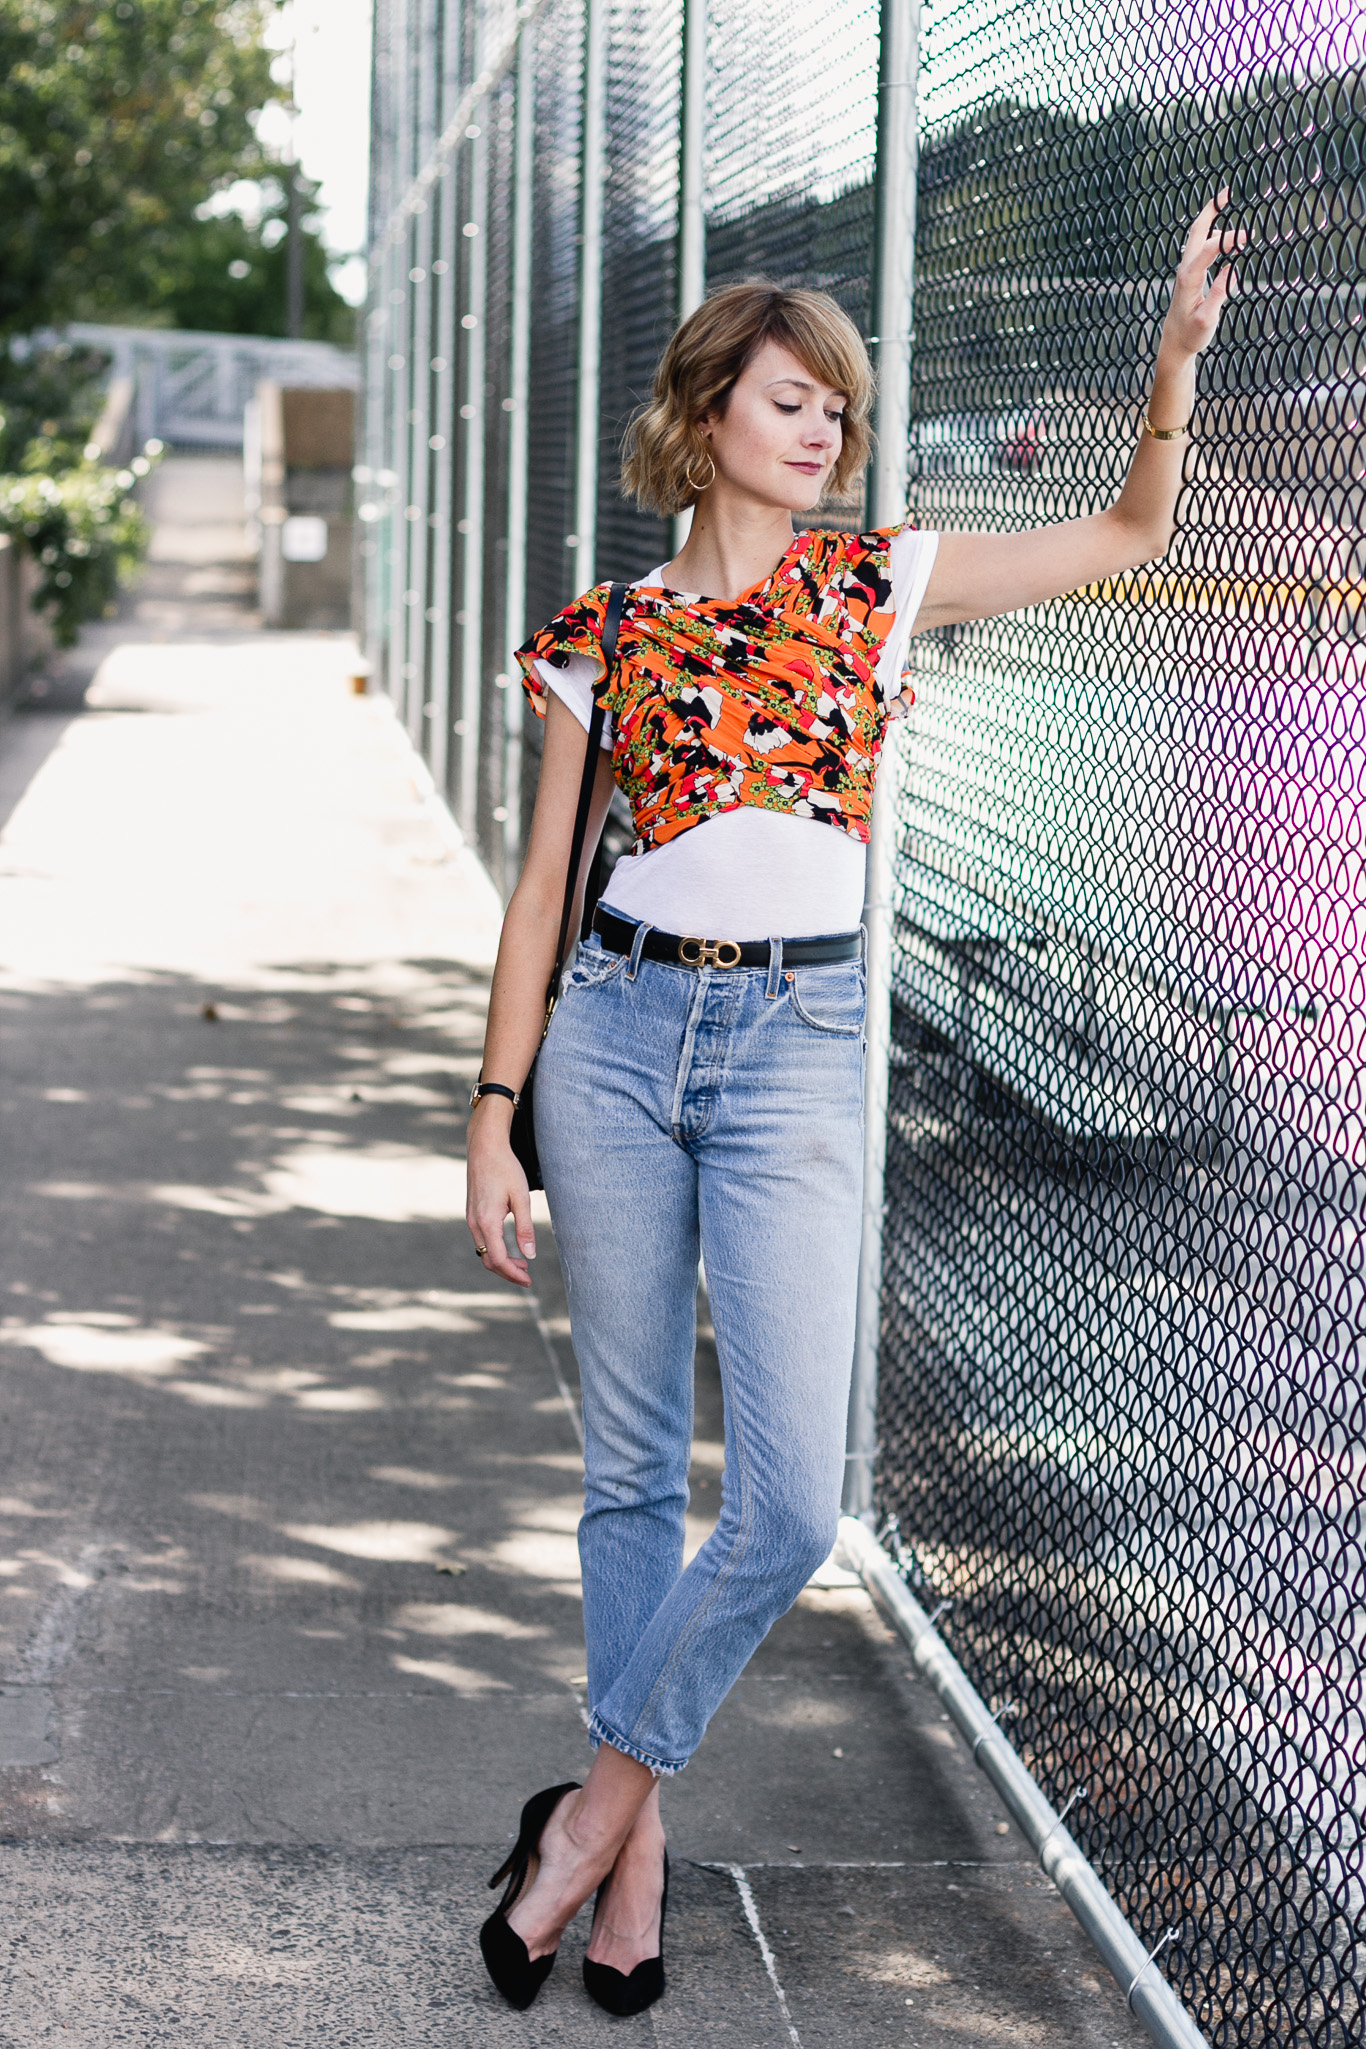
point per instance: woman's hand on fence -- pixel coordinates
(495, 1189)
(978, 575)
(1198, 300)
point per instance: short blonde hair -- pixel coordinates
(697, 372)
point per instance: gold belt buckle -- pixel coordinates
(709, 953)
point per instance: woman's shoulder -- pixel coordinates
(834, 556)
(873, 572)
(865, 541)
(577, 629)
(833, 552)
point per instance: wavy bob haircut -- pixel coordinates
(664, 445)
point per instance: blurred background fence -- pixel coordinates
(1119, 1406)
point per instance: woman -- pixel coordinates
(700, 1086)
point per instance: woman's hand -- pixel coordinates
(1197, 299)
(496, 1188)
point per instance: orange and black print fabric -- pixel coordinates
(769, 699)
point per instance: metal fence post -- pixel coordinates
(441, 376)
(519, 385)
(444, 201)
(692, 220)
(585, 535)
(393, 280)
(397, 465)
(470, 617)
(892, 284)
(372, 348)
(417, 575)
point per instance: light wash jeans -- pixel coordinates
(718, 1111)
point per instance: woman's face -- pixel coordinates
(780, 433)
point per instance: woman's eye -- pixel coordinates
(786, 409)
(838, 418)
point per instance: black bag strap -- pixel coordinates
(616, 601)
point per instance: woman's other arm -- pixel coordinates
(496, 1187)
(976, 576)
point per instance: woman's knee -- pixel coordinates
(799, 1538)
(613, 1485)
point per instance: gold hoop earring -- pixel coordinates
(691, 481)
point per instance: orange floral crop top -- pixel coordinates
(769, 699)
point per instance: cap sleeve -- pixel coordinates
(866, 577)
(577, 630)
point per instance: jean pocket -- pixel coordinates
(831, 999)
(592, 966)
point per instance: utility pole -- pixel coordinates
(294, 258)
(294, 234)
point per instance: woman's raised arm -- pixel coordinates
(976, 576)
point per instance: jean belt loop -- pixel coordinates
(863, 945)
(775, 967)
(637, 948)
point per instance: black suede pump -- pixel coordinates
(518, 1976)
(615, 1991)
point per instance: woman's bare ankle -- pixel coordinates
(647, 1833)
(617, 1791)
(581, 1843)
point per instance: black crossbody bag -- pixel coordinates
(523, 1133)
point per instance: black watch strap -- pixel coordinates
(493, 1088)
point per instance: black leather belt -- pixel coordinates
(618, 936)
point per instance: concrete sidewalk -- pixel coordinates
(289, 1607)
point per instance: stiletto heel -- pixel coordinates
(519, 1977)
(615, 1991)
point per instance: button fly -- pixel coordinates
(702, 1058)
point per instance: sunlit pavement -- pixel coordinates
(289, 1612)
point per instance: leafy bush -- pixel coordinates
(76, 518)
(50, 398)
(85, 532)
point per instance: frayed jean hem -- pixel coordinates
(598, 1733)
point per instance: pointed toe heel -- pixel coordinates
(622, 1992)
(518, 1976)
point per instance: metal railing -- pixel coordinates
(192, 390)
(1108, 1405)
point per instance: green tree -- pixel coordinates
(119, 119)
(227, 273)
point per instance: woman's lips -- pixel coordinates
(808, 469)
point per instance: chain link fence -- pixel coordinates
(1120, 1408)
(1123, 1297)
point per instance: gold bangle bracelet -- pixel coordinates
(1166, 433)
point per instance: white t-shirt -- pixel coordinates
(751, 873)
